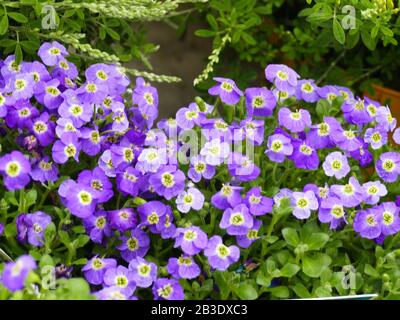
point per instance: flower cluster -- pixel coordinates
(159, 208)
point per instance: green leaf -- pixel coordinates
(246, 291)
(322, 108)
(291, 236)
(249, 39)
(301, 291)
(369, 270)
(316, 240)
(369, 42)
(46, 260)
(280, 292)
(204, 33)
(313, 266)
(212, 21)
(352, 40)
(338, 32)
(18, 17)
(221, 279)
(31, 198)
(113, 34)
(18, 54)
(50, 233)
(289, 270)
(80, 261)
(4, 24)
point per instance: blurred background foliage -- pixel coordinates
(346, 42)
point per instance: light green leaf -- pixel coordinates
(317, 240)
(338, 32)
(246, 291)
(313, 266)
(291, 236)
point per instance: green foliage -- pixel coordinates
(350, 43)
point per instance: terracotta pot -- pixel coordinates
(388, 97)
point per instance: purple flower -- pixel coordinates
(48, 93)
(396, 136)
(15, 273)
(355, 112)
(15, 168)
(242, 168)
(336, 164)
(67, 147)
(183, 267)
(295, 121)
(304, 156)
(215, 152)
(303, 203)
(279, 146)
(390, 220)
(151, 159)
(190, 199)
(122, 219)
(253, 130)
(319, 134)
(307, 90)
(52, 53)
(167, 289)
(43, 129)
(329, 93)
(258, 204)
(362, 154)
(144, 272)
(146, 97)
(21, 86)
(165, 227)
(97, 226)
(1, 229)
(376, 137)
(122, 278)
(199, 168)
(95, 269)
(385, 119)
(72, 108)
(246, 240)
(351, 194)
(219, 255)
(79, 199)
(98, 181)
(346, 140)
(150, 214)
(112, 293)
(168, 182)
(135, 245)
(331, 211)
(228, 196)
(191, 240)
(283, 194)
(36, 223)
(388, 166)
(227, 90)
(128, 181)
(373, 191)
(368, 224)
(282, 76)
(237, 221)
(21, 114)
(260, 102)
(91, 141)
(187, 118)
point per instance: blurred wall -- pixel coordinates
(184, 57)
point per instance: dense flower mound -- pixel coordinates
(189, 206)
